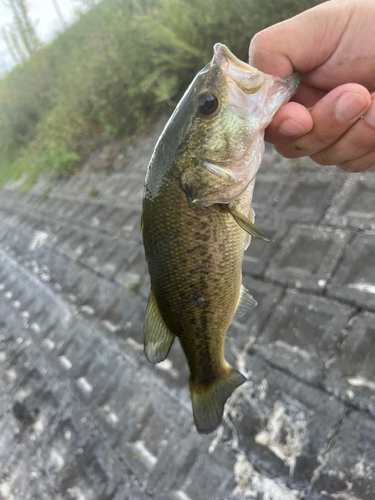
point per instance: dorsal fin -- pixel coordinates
(158, 338)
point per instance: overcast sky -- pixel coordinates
(44, 14)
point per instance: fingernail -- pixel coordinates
(290, 127)
(348, 106)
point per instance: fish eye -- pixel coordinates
(207, 104)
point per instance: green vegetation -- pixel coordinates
(93, 193)
(45, 194)
(109, 74)
(133, 287)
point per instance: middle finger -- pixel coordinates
(332, 116)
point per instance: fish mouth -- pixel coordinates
(247, 78)
(221, 50)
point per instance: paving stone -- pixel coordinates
(100, 215)
(99, 255)
(55, 205)
(207, 479)
(307, 257)
(84, 212)
(64, 274)
(113, 185)
(134, 190)
(119, 410)
(116, 217)
(19, 244)
(75, 351)
(352, 374)
(132, 223)
(49, 444)
(68, 239)
(69, 208)
(98, 297)
(100, 375)
(355, 278)
(353, 206)
(304, 334)
(267, 192)
(148, 448)
(284, 426)
(252, 484)
(307, 196)
(258, 254)
(87, 476)
(349, 470)
(105, 464)
(20, 296)
(134, 270)
(115, 259)
(32, 199)
(119, 313)
(132, 490)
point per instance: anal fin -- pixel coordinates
(246, 302)
(158, 338)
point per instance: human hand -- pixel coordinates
(332, 118)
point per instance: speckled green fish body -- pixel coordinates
(197, 221)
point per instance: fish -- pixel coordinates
(197, 221)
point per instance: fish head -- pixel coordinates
(230, 104)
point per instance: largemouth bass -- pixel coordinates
(197, 221)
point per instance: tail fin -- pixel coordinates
(208, 401)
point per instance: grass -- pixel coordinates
(108, 75)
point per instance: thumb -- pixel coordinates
(301, 43)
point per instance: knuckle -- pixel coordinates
(324, 137)
(323, 158)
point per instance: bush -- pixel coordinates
(110, 73)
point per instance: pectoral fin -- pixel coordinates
(246, 302)
(222, 172)
(246, 224)
(158, 338)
